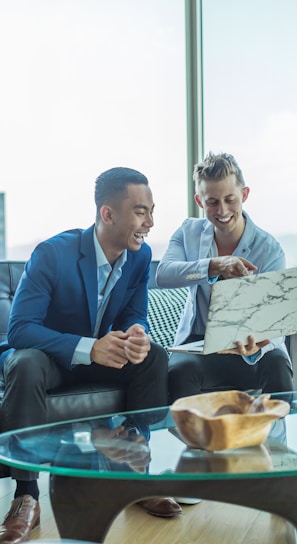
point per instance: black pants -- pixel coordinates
(191, 373)
(30, 373)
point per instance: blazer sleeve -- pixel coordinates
(48, 306)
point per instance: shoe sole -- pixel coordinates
(163, 515)
(186, 501)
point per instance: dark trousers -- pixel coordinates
(190, 374)
(30, 373)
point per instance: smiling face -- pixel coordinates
(222, 201)
(126, 223)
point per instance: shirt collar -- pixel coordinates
(100, 255)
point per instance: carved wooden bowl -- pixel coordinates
(226, 420)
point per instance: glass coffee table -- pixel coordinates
(98, 466)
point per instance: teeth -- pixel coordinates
(140, 234)
(225, 220)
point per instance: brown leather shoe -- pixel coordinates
(22, 518)
(162, 507)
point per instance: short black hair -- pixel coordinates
(112, 184)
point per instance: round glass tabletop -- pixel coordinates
(146, 445)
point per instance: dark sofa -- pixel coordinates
(164, 310)
(165, 307)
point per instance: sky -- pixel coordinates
(83, 92)
(92, 84)
(251, 89)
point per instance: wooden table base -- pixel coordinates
(85, 508)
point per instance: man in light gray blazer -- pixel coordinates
(225, 244)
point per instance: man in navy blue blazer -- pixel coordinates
(80, 315)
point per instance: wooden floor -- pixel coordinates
(204, 523)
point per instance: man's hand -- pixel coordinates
(246, 350)
(137, 344)
(110, 350)
(122, 448)
(116, 348)
(230, 267)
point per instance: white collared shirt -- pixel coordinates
(107, 277)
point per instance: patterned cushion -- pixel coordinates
(164, 310)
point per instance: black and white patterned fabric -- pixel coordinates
(164, 310)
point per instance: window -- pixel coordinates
(88, 85)
(250, 88)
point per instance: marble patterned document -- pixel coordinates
(263, 305)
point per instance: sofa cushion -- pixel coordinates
(164, 310)
(85, 401)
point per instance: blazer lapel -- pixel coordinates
(88, 267)
(206, 240)
(114, 302)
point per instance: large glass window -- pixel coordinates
(250, 89)
(90, 84)
(87, 85)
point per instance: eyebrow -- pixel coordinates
(143, 207)
(215, 198)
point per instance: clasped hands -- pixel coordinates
(116, 348)
(234, 267)
(120, 447)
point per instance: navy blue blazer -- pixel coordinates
(56, 300)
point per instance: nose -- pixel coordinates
(222, 208)
(149, 221)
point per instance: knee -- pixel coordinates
(177, 377)
(183, 379)
(24, 362)
(182, 369)
(158, 357)
(276, 361)
(275, 371)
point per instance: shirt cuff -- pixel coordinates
(82, 353)
(253, 359)
(213, 280)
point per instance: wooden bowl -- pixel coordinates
(226, 420)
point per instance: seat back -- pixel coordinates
(10, 274)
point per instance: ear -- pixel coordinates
(198, 201)
(106, 214)
(245, 193)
